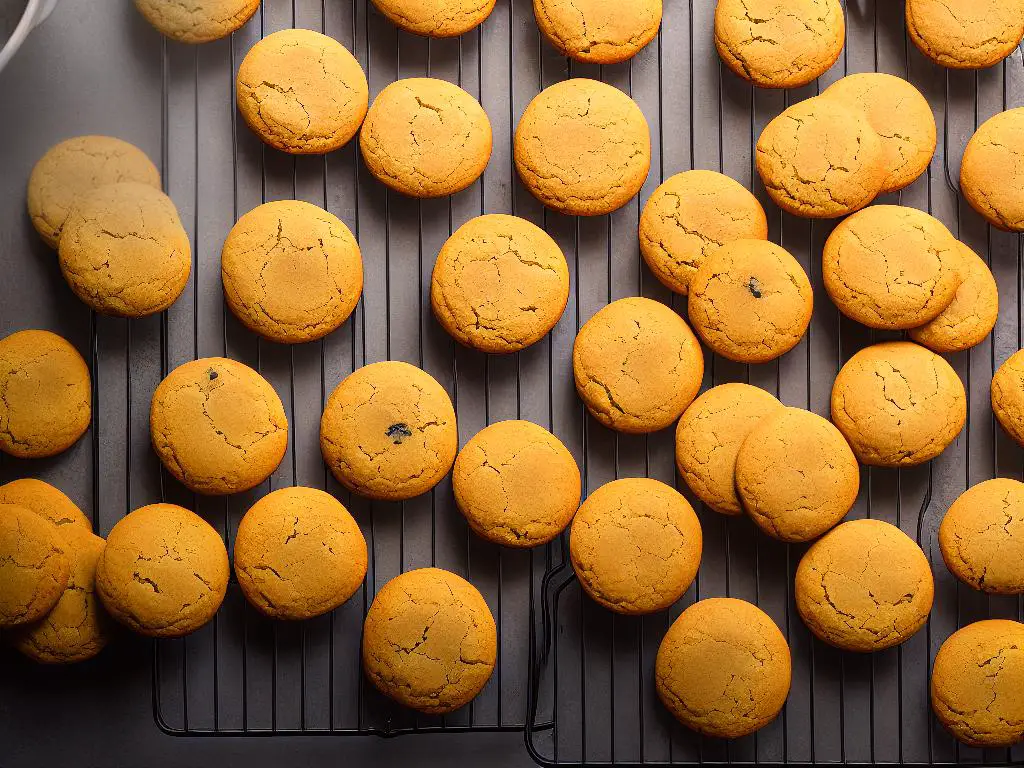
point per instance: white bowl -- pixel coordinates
(35, 14)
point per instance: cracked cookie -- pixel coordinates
(197, 21)
(292, 272)
(426, 137)
(976, 683)
(46, 501)
(583, 147)
(864, 586)
(635, 545)
(821, 159)
(516, 484)
(898, 404)
(302, 92)
(750, 301)
(388, 431)
(689, 216)
(1008, 396)
(218, 426)
(34, 566)
(966, 34)
(598, 31)
(164, 571)
(45, 394)
(436, 18)
(723, 668)
(992, 172)
(709, 436)
(796, 475)
(75, 167)
(637, 365)
(429, 641)
(299, 554)
(500, 283)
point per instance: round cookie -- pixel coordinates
(46, 501)
(723, 668)
(898, 404)
(821, 159)
(426, 137)
(1008, 396)
(750, 301)
(302, 92)
(164, 571)
(891, 267)
(982, 537)
(124, 252)
(75, 167)
(299, 554)
(45, 394)
(864, 586)
(596, 31)
(500, 283)
(795, 475)
(218, 426)
(709, 436)
(976, 683)
(516, 484)
(199, 21)
(966, 34)
(292, 272)
(436, 18)
(689, 216)
(992, 171)
(388, 431)
(635, 545)
(583, 147)
(900, 115)
(429, 641)
(34, 566)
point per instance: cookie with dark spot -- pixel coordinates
(197, 21)
(436, 18)
(992, 171)
(598, 31)
(46, 501)
(966, 34)
(34, 566)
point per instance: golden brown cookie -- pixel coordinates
(164, 571)
(597, 31)
(388, 431)
(976, 683)
(516, 484)
(34, 566)
(709, 436)
(426, 137)
(1008, 396)
(197, 21)
(436, 18)
(302, 92)
(966, 34)
(292, 272)
(723, 668)
(429, 641)
(992, 172)
(795, 475)
(45, 394)
(75, 167)
(298, 554)
(635, 545)
(750, 301)
(46, 501)
(892, 267)
(821, 159)
(689, 216)
(898, 404)
(500, 283)
(583, 147)
(218, 426)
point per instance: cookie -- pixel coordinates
(795, 475)
(900, 115)
(218, 426)
(723, 668)
(966, 34)
(123, 250)
(436, 18)
(429, 641)
(75, 167)
(46, 501)
(992, 171)
(425, 137)
(1008, 396)
(689, 216)
(388, 431)
(750, 301)
(864, 586)
(709, 436)
(596, 31)
(292, 272)
(637, 365)
(164, 571)
(199, 21)
(298, 554)
(821, 159)
(982, 537)
(34, 566)
(898, 404)
(582, 147)
(976, 683)
(516, 484)
(45, 394)
(892, 267)
(302, 92)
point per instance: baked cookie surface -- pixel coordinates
(597, 31)
(992, 171)
(197, 21)
(1008, 396)
(34, 566)
(965, 34)
(46, 501)
(436, 18)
